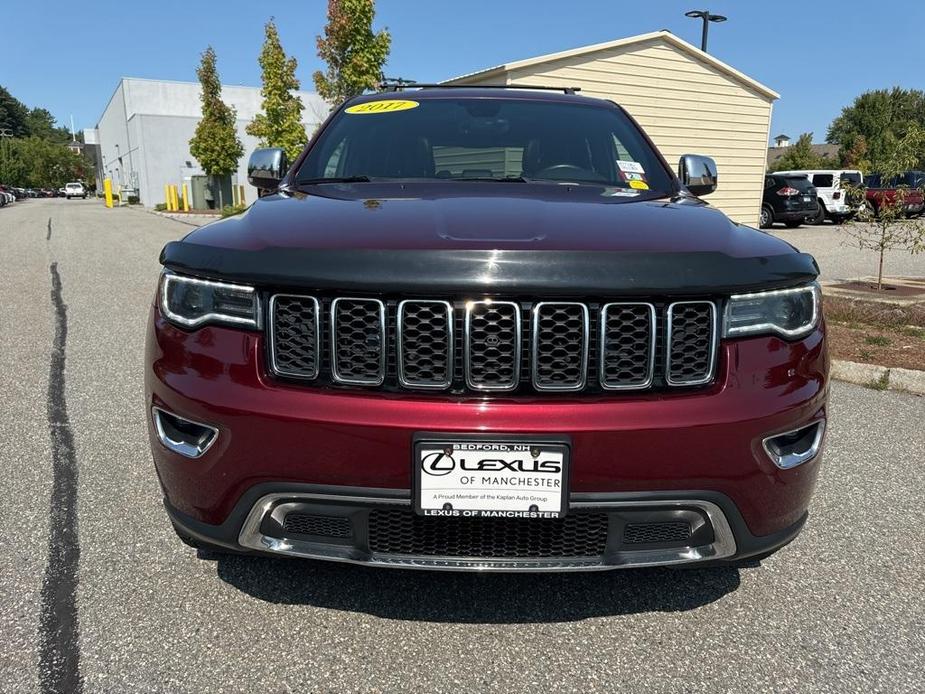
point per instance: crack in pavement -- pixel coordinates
(59, 629)
(48, 235)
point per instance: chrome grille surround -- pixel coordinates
(313, 357)
(606, 338)
(375, 377)
(625, 345)
(677, 339)
(546, 377)
(401, 341)
(476, 312)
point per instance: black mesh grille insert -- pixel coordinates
(359, 341)
(650, 533)
(403, 532)
(627, 343)
(560, 344)
(425, 329)
(295, 326)
(493, 345)
(690, 342)
(309, 524)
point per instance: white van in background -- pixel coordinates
(828, 184)
(75, 190)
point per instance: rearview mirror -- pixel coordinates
(698, 174)
(266, 168)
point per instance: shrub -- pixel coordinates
(232, 210)
(161, 206)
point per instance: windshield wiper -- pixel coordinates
(334, 179)
(493, 179)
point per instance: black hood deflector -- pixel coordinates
(463, 273)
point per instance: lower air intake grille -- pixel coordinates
(325, 526)
(403, 532)
(650, 533)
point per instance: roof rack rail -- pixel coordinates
(395, 87)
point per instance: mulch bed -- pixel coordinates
(875, 332)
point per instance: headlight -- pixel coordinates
(192, 302)
(786, 312)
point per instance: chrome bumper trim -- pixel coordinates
(723, 545)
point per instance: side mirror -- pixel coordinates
(266, 168)
(698, 174)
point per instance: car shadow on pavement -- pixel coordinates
(436, 596)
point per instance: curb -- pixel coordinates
(879, 377)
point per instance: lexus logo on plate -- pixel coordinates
(438, 464)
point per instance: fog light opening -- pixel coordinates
(183, 436)
(795, 447)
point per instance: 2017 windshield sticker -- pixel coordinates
(639, 185)
(630, 166)
(383, 106)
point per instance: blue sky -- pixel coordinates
(68, 57)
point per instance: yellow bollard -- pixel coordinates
(107, 191)
(174, 206)
(185, 199)
(167, 196)
(241, 200)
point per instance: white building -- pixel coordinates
(144, 133)
(685, 99)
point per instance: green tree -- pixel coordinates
(34, 162)
(40, 123)
(801, 156)
(280, 123)
(890, 229)
(354, 53)
(13, 114)
(215, 143)
(882, 118)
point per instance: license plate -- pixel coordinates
(491, 478)
(807, 198)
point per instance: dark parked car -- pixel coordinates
(788, 199)
(486, 329)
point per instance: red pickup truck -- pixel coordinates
(880, 191)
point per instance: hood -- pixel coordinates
(496, 216)
(505, 236)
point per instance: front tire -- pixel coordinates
(766, 218)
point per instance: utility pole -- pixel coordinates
(707, 18)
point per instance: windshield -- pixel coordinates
(485, 139)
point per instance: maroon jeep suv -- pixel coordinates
(486, 329)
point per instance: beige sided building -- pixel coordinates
(685, 99)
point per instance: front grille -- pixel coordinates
(651, 533)
(425, 344)
(560, 346)
(691, 342)
(506, 346)
(627, 345)
(403, 532)
(310, 524)
(492, 345)
(358, 345)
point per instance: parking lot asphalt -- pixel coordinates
(839, 256)
(842, 609)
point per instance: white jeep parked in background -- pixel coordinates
(829, 187)
(75, 190)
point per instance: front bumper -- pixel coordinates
(688, 448)
(255, 526)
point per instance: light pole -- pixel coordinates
(707, 18)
